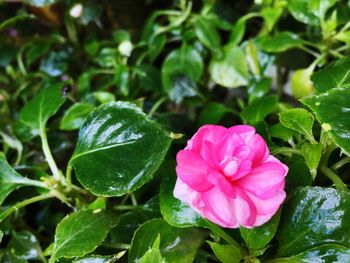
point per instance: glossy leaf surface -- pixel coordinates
(74, 117)
(339, 70)
(226, 253)
(117, 151)
(258, 237)
(46, 103)
(325, 253)
(25, 246)
(299, 120)
(81, 232)
(185, 61)
(153, 254)
(301, 12)
(229, 69)
(175, 243)
(314, 216)
(332, 110)
(312, 154)
(97, 259)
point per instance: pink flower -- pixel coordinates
(228, 176)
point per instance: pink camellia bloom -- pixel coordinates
(228, 176)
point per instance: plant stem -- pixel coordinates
(221, 233)
(339, 184)
(69, 178)
(49, 158)
(287, 150)
(24, 203)
(156, 106)
(127, 207)
(116, 245)
(340, 163)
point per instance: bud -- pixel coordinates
(76, 11)
(125, 48)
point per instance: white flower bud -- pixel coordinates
(125, 48)
(76, 11)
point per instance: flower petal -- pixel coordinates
(219, 208)
(192, 170)
(266, 208)
(187, 195)
(260, 149)
(222, 183)
(245, 210)
(264, 180)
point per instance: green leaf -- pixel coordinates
(37, 50)
(99, 259)
(207, 33)
(226, 253)
(55, 64)
(122, 79)
(335, 75)
(128, 223)
(185, 61)
(182, 87)
(259, 88)
(320, 7)
(74, 117)
(343, 37)
(149, 77)
(278, 43)
(238, 31)
(258, 237)
(156, 44)
(14, 143)
(81, 232)
(153, 254)
(313, 217)
(175, 243)
(229, 68)
(301, 12)
(107, 57)
(10, 180)
(252, 56)
(299, 120)
(332, 111)
(45, 104)
(175, 212)
(324, 253)
(40, 3)
(312, 154)
(25, 246)
(118, 139)
(212, 113)
(271, 15)
(298, 174)
(259, 109)
(301, 84)
(281, 132)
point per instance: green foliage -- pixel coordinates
(81, 232)
(173, 243)
(97, 98)
(118, 129)
(314, 216)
